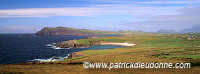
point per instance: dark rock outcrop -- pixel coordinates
(74, 44)
(61, 31)
(83, 46)
(93, 43)
(75, 54)
(67, 44)
(70, 44)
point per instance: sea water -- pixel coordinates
(20, 48)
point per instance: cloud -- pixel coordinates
(170, 2)
(104, 7)
(149, 1)
(19, 29)
(188, 19)
(93, 10)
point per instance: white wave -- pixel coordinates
(39, 60)
(47, 60)
(57, 47)
(50, 45)
(66, 56)
(83, 47)
(54, 47)
(50, 59)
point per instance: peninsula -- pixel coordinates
(70, 31)
(157, 47)
(46, 31)
(92, 42)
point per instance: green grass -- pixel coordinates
(94, 52)
(84, 56)
(148, 45)
(195, 56)
(110, 39)
(97, 32)
(105, 51)
(161, 43)
(83, 41)
(83, 30)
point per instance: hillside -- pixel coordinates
(68, 31)
(166, 31)
(195, 29)
(149, 48)
(72, 31)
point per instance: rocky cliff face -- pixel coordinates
(67, 44)
(75, 54)
(93, 43)
(74, 44)
(70, 44)
(61, 31)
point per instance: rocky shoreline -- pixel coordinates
(74, 44)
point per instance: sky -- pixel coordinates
(29, 16)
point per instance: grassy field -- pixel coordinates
(161, 48)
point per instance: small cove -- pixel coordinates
(17, 48)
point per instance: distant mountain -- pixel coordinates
(166, 31)
(195, 29)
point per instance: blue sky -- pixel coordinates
(29, 16)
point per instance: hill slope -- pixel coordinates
(195, 29)
(166, 31)
(61, 31)
(70, 31)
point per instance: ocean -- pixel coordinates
(22, 48)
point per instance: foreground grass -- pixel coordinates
(194, 56)
(149, 48)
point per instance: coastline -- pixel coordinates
(76, 44)
(52, 45)
(92, 43)
(149, 49)
(122, 44)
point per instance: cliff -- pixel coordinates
(70, 44)
(62, 31)
(74, 44)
